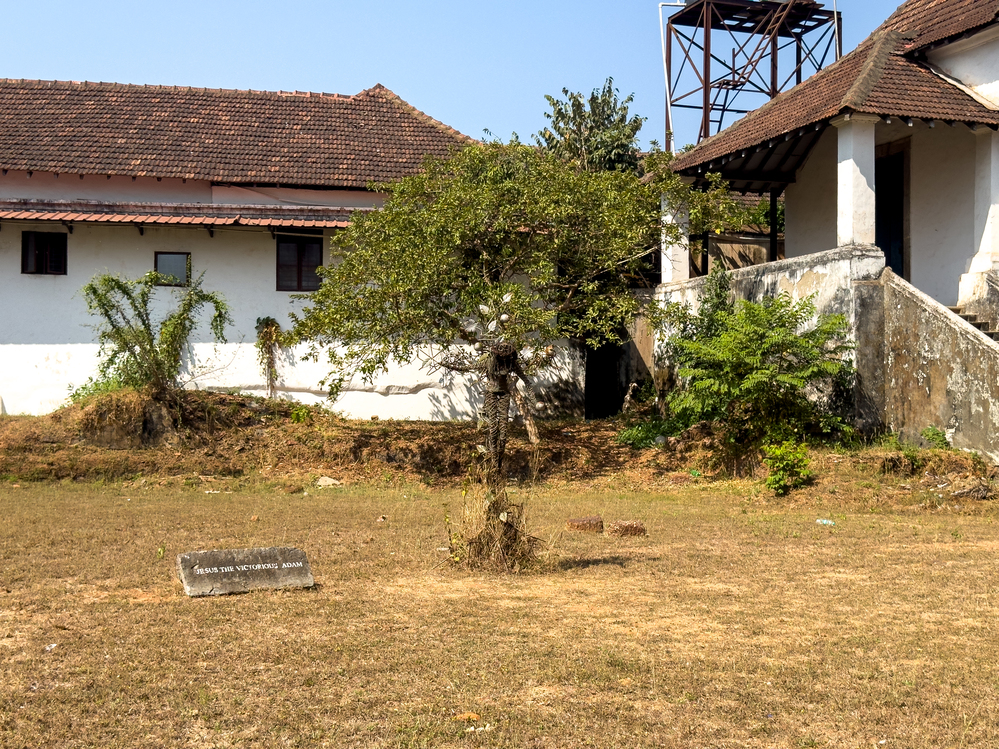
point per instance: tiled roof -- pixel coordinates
(935, 20)
(231, 137)
(877, 78)
(192, 214)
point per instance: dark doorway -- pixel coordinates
(889, 211)
(604, 388)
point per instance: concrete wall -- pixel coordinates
(918, 364)
(830, 275)
(810, 202)
(939, 371)
(941, 203)
(974, 62)
(46, 345)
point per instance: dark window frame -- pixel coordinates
(50, 259)
(301, 240)
(183, 282)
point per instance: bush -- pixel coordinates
(788, 464)
(764, 371)
(936, 437)
(644, 433)
(137, 351)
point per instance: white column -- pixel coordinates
(675, 249)
(855, 179)
(986, 237)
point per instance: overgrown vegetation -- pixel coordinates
(138, 349)
(270, 341)
(766, 373)
(936, 437)
(788, 466)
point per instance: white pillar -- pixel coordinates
(855, 179)
(675, 249)
(986, 237)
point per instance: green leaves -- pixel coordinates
(594, 134)
(137, 351)
(760, 368)
(500, 242)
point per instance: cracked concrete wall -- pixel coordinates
(918, 364)
(939, 371)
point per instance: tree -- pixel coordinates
(137, 350)
(595, 134)
(505, 250)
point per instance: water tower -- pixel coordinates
(724, 58)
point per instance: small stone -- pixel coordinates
(325, 481)
(626, 528)
(592, 524)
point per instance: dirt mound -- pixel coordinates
(126, 434)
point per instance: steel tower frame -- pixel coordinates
(763, 34)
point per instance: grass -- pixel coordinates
(738, 622)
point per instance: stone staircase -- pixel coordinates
(988, 327)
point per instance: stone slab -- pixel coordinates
(219, 573)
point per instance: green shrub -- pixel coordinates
(765, 371)
(91, 387)
(936, 437)
(301, 414)
(644, 433)
(136, 350)
(788, 464)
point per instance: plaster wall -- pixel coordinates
(941, 203)
(233, 195)
(939, 371)
(49, 186)
(810, 201)
(974, 62)
(941, 209)
(46, 345)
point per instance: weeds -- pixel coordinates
(936, 437)
(788, 463)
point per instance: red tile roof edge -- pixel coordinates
(183, 214)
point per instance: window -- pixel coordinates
(43, 253)
(297, 260)
(176, 265)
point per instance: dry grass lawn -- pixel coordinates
(738, 622)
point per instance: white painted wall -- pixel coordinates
(46, 346)
(810, 202)
(47, 186)
(941, 208)
(231, 195)
(974, 62)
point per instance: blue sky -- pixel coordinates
(472, 65)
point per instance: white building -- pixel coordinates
(245, 185)
(893, 145)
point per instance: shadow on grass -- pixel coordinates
(564, 565)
